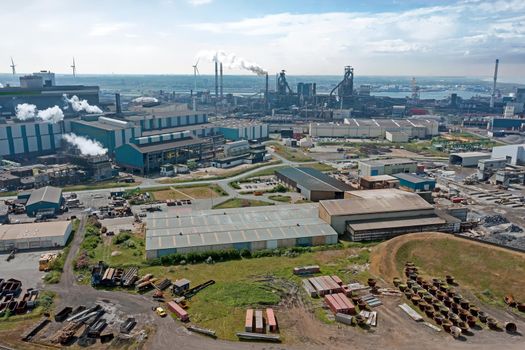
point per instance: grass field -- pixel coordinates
(245, 283)
(281, 198)
(488, 272)
(291, 154)
(227, 174)
(240, 203)
(190, 192)
(99, 186)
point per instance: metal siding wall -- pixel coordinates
(32, 144)
(117, 134)
(30, 130)
(3, 132)
(58, 140)
(16, 131)
(4, 147)
(19, 145)
(271, 244)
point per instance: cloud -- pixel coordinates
(199, 2)
(105, 29)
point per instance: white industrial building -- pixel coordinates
(375, 128)
(40, 235)
(22, 138)
(252, 228)
(514, 154)
(467, 159)
(396, 136)
(386, 166)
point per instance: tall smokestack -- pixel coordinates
(493, 96)
(118, 104)
(266, 92)
(216, 80)
(221, 86)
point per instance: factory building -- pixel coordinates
(514, 154)
(415, 182)
(149, 153)
(254, 228)
(46, 199)
(381, 214)
(235, 130)
(241, 152)
(23, 139)
(487, 167)
(40, 90)
(378, 182)
(467, 159)
(111, 133)
(168, 117)
(40, 235)
(312, 184)
(506, 124)
(375, 128)
(396, 136)
(386, 167)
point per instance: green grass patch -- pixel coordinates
(488, 272)
(241, 203)
(255, 282)
(8, 194)
(291, 154)
(225, 175)
(99, 186)
(57, 267)
(280, 198)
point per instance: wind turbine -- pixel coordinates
(195, 72)
(13, 65)
(74, 67)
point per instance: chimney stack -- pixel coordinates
(493, 96)
(216, 80)
(221, 86)
(118, 104)
(266, 92)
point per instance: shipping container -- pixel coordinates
(179, 311)
(248, 325)
(259, 322)
(337, 280)
(272, 322)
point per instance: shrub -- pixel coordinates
(121, 238)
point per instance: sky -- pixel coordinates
(304, 37)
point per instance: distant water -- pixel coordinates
(134, 85)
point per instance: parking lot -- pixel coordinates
(262, 184)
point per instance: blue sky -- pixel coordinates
(377, 37)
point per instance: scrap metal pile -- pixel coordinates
(443, 304)
(10, 300)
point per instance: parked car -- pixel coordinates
(160, 311)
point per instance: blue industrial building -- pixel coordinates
(235, 130)
(46, 199)
(22, 139)
(506, 124)
(415, 182)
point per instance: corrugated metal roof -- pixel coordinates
(215, 227)
(414, 178)
(378, 178)
(392, 161)
(397, 223)
(159, 146)
(313, 180)
(375, 201)
(45, 194)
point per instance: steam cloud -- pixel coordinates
(86, 146)
(1, 85)
(231, 60)
(27, 111)
(145, 99)
(79, 105)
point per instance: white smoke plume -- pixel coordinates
(1, 85)
(231, 60)
(25, 111)
(86, 146)
(79, 105)
(145, 99)
(52, 115)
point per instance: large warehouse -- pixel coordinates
(34, 235)
(45, 199)
(381, 214)
(386, 166)
(375, 128)
(467, 159)
(312, 184)
(252, 228)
